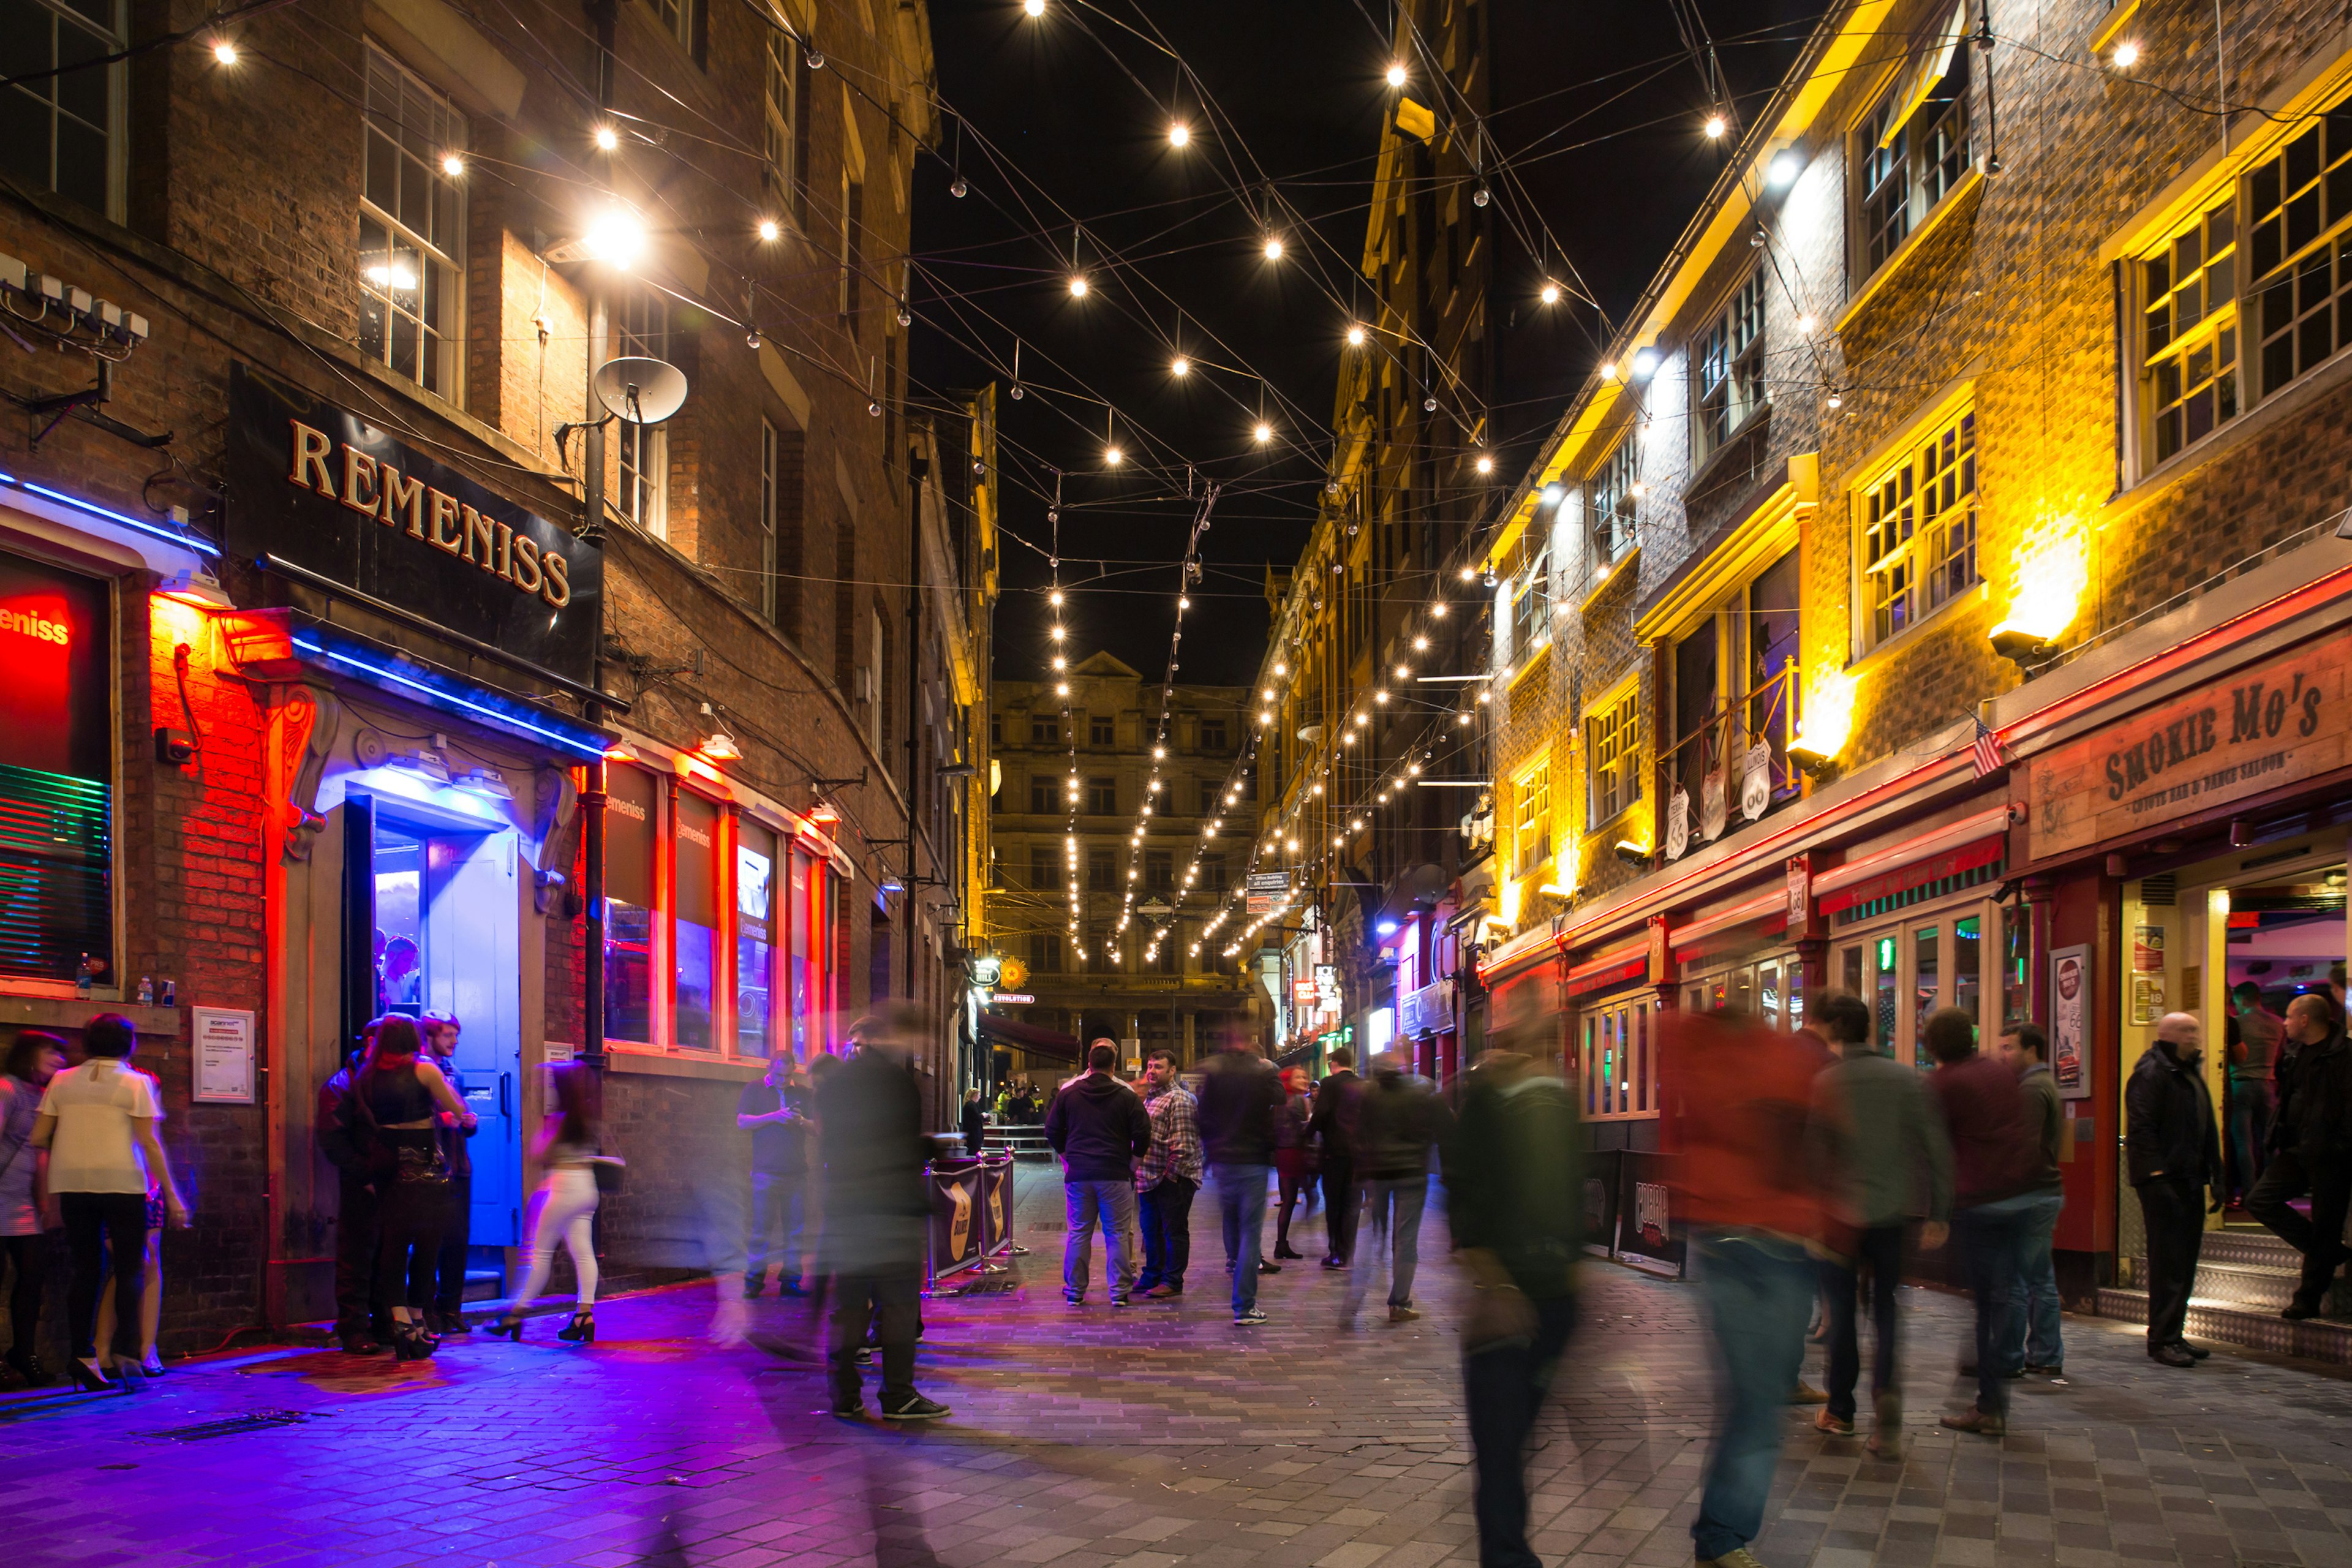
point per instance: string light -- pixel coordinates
(1264, 433)
(225, 51)
(768, 229)
(1035, 7)
(1355, 335)
(1714, 127)
(1077, 286)
(1179, 134)
(1181, 367)
(452, 166)
(606, 138)
(1274, 247)
(1551, 294)
(2126, 56)
(1113, 456)
(1396, 74)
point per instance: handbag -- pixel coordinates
(609, 1171)
(409, 1165)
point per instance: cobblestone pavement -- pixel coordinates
(1148, 1437)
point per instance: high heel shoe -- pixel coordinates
(509, 1326)
(581, 1330)
(89, 1377)
(410, 1342)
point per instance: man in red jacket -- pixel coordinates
(1996, 1160)
(1738, 1099)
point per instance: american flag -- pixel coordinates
(1985, 751)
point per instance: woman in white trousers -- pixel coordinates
(565, 1205)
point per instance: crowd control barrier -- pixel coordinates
(971, 1215)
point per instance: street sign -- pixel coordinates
(1264, 890)
(1014, 997)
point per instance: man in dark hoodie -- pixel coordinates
(1099, 1128)
(2311, 1148)
(1241, 1095)
(1334, 1122)
(1399, 1122)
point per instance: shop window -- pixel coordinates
(412, 229)
(2016, 964)
(1613, 746)
(694, 920)
(1919, 532)
(1531, 816)
(1617, 1061)
(1925, 987)
(805, 968)
(1612, 502)
(1913, 147)
(2299, 249)
(632, 812)
(755, 936)
(1887, 994)
(1730, 386)
(1968, 967)
(2188, 331)
(57, 796)
(641, 329)
(61, 133)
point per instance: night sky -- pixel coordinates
(1064, 121)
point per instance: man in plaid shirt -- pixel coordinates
(1166, 1179)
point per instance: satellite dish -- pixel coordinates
(640, 390)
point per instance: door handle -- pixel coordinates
(502, 1096)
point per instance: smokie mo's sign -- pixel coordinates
(316, 486)
(2275, 724)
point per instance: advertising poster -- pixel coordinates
(955, 1215)
(2070, 1021)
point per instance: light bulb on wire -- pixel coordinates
(1263, 433)
(225, 51)
(1077, 286)
(606, 138)
(1274, 247)
(1550, 293)
(1113, 456)
(1034, 7)
(1355, 336)
(1396, 73)
(1179, 135)
(1180, 367)
(1715, 126)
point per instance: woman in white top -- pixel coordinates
(566, 1205)
(98, 1122)
(32, 1060)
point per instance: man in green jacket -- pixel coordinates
(2032, 1343)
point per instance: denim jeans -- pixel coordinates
(2031, 1337)
(2251, 1105)
(779, 1211)
(1758, 1290)
(1503, 1387)
(1113, 1204)
(1240, 1206)
(1166, 1211)
(1393, 1207)
(1879, 1249)
(1991, 1236)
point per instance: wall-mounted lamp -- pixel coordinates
(1633, 854)
(2016, 644)
(1812, 757)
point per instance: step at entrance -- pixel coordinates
(2244, 1279)
(2314, 1339)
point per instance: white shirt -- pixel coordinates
(93, 1149)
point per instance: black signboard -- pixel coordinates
(319, 488)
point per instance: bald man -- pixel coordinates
(2175, 1153)
(2310, 1144)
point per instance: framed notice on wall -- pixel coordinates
(223, 1052)
(2070, 1021)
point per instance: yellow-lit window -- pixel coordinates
(1730, 386)
(1531, 816)
(1919, 530)
(1617, 1061)
(2299, 249)
(1613, 749)
(1612, 502)
(2188, 331)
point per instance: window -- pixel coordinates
(1102, 871)
(1617, 1061)
(631, 808)
(852, 247)
(1531, 609)
(1914, 149)
(1531, 816)
(780, 100)
(1611, 503)
(769, 479)
(1211, 801)
(1213, 735)
(1159, 870)
(1172, 954)
(1041, 869)
(695, 918)
(1045, 952)
(1919, 530)
(996, 729)
(411, 235)
(1041, 794)
(2299, 249)
(755, 951)
(641, 327)
(1044, 730)
(1101, 731)
(1102, 797)
(2188, 332)
(1730, 380)
(57, 792)
(1613, 749)
(1212, 872)
(682, 18)
(60, 132)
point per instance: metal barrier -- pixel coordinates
(972, 1217)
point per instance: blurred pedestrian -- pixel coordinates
(1512, 1189)
(1737, 1098)
(2174, 1157)
(1994, 1158)
(2311, 1150)
(975, 1125)
(570, 1138)
(1294, 1156)
(447, 1315)
(1886, 1167)
(1400, 1121)
(2255, 1035)
(876, 1207)
(2033, 1343)
(97, 1123)
(399, 1101)
(1167, 1179)
(1241, 1100)
(1333, 1127)
(775, 1112)
(149, 1362)
(34, 1058)
(1099, 1128)
(363, 1318)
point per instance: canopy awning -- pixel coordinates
(1028, 1037)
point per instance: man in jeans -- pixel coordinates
(1333, 1121)
(1994, 1156)
(1734, 1126)
(2032, 1344)
(1099, 1126)
(1399, 1121)
(1886, 1168)
(775, 1112)
(1166, 1179)
(1241, 1095)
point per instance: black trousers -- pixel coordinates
(888, 1301)
(409, 1221)
(2175, 1221)
(1164, 1214)
(1339, 1204)
(29, 1256)
(450, 1267)
(1878, 1251)
(93, 1220)
(359, 1300)
(2319, 1239)
(1503, 1386)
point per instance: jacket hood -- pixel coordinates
(1099, 1084)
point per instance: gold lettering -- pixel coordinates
(448, 521)
(558, 591)
(483, 530)
(310, 450)
(359, 481)
(506, 553)
(401, 497)
(526, 563)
